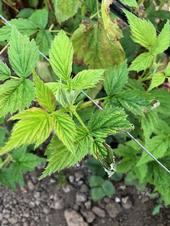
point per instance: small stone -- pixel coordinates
(113, 209)
(117, 200)
(46, 210)
(84, 188)
(67, 188)
(71, 179)
(79, 175)
(36, 195)
(106, 200)
(89, 216)
(80, 197)
(126, 202)
(88, 205)
(98, 211)
(30, 185)
(80, 182)
(12, 220)
(73, 218)
(58, 205)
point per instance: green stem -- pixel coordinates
(80, 120)
(90, 103)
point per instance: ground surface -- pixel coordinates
(45, 203)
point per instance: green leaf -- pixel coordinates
(131, 3)
(65, 129)
(157, 80)
(108, 188)
(107, 122)
(43, 40)
(22, 162)
(24, 26)
(163, 41)
(135, 101)
(97, 194)
(44, 95)
(158, 146)
(59, 157)
(25, 13)
(87, 79)
(15, 94)
(23, 54)
(96, 181)
(95, 48)
(61, 56)
(161, 182)
(5, 72)
(115, 79)
(34, 127)
(40, 18)
(142, 62)
(65, 9)
(138, 30)
(149, 122)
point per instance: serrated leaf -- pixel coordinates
(59, 157)
(161, 182)
(44, 95)
(65, 129)
(149, 122)
(15, 94)
(142, 62)
(135, 101)
(138, 30)
(87, 79)
(131, 3)
(34, 127)
(24, 26)
(111, 27)
(157, 80)
(115, 79)
(65, 9)
(40, 18)
(5, 72)
(61, 56)
(107, 122)
(22, 162)
(163, 41)
(43, 40)
(23, 54)
(158, 146)
(94, 48)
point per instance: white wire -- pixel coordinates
(99, 107)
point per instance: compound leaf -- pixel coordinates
(163, 42)
(44, 95)
(23, 54)
(107, 122)
(65, 9)
(94, 48)
(40, 18)
(65, 129)
(34, 127)
(5, 72)
(61, 56)
(138, 30)
(59, 157)
(142, 62)
(115, 79)
(87, 79)
(15, 94)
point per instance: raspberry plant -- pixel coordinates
(124, 72)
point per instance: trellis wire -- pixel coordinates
(100, 108)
